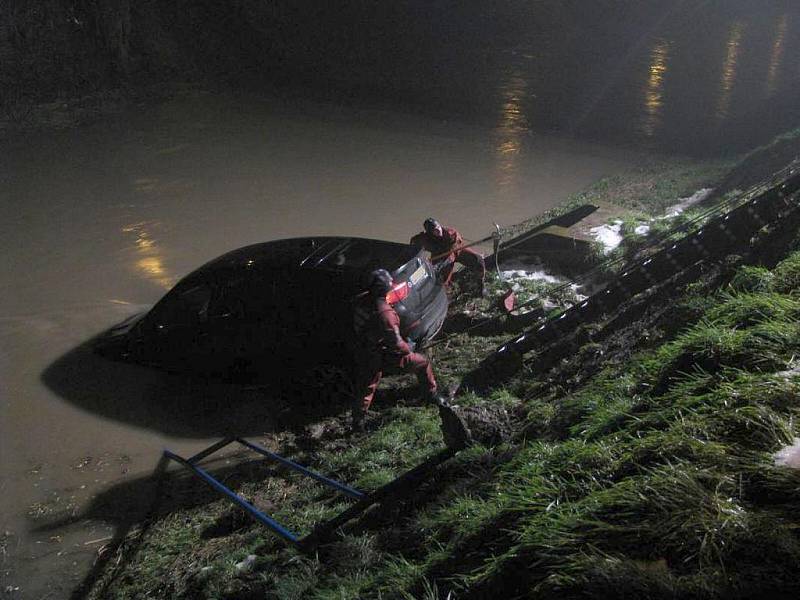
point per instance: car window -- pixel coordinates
(184, 307)
(233, 298)
(256, 296)
(368, 255)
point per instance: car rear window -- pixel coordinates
(368, 255)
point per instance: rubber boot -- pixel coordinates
(357, 420)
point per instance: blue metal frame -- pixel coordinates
(264, 519)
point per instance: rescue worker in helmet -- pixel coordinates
(445, 245)
(385, 351)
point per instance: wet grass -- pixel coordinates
(663, 493)
(644, 190)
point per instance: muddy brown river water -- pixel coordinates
(97, 222)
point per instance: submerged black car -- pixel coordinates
(278, 309)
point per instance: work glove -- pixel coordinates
(441, 266)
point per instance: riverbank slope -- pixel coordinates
(647, 464)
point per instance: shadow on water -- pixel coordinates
(138, 503)
(132, 507)
(188, 405)
(184, 406)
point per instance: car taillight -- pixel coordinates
(397, 293)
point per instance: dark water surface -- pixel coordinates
(687, 76)
(97, 222)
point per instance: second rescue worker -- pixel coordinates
(446, 247)
(384, 350)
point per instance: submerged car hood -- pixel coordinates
(113, 343)
(127, 325)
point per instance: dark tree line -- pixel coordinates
(55, 48)
(50, 43)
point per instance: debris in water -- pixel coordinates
(83, 463)
(97, 541)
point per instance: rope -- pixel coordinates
(493, 236)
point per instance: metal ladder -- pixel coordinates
(364, 500)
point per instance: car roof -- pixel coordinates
(328, 253)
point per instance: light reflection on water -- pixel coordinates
(512, 126)
(776, 56)
(654, 90)
(672, 88)
(149, 262)
(729, 69)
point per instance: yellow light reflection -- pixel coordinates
(152, 267)
(149, 262)
(654, 92)
(512, 126)
(776, 57)
(729, 69)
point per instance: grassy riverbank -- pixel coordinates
(642, 466)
